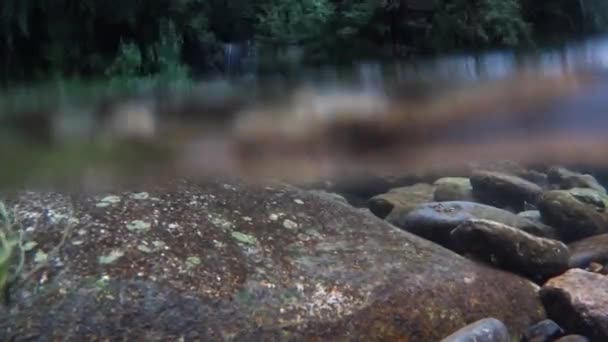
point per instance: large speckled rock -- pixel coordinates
(572, 218)
(504, 191)
(511, 249)
(566, 179)
(586, 251)
(404, 199)
(578, 301)
(484, 330)
(226, 260)
(453, 189)
(435, 221)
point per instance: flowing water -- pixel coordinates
(392, 118)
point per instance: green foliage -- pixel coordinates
(135, 38)
(479, 23)
(11, 249)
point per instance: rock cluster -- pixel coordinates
(551, 228)
(502, 254)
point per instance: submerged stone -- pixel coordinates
(403, 199)
(572, 218)
(511, 249)
(485, 330)
(453, 189)
(435, 221)
(578, 301)
(589, 250)
(566, 179)
(504, 191)
(543, 331)
(343, 273)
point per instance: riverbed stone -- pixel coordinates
(453, 189)
(484, 330)
(590, 250)
(435, 221)
(572, 338)
(578, 301)
(404, 198)
(227, 268)
(567, 179)
(533, 215)
(572, 218)
(511, 249)
(504, 191)
(543, 331)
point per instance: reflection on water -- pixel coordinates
(374, 117)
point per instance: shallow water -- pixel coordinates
(380, 118)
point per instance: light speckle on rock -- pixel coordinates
(247, 219)
(102, 204)
(138, 226)
(244, 238)
(298, 201)
(289, 224)
(110, 258)
(40, 256)
(111, 199)
(144, 249)
(274, 217)
(192, 262)
(140, 196)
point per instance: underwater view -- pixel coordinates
(304, 170)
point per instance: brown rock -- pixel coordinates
(504, 191)
(586, 251)
(511, 248)
(453, 189)
(227, 260)
(404, 198)
(573, 219)
(566, 179)
(578, 301)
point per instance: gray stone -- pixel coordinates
(573, 219)
(578, 301)
(533, 215)
(586, 251)
(504, 191)
(453, 189)
(404, 199)
(485, 330)
(566, 179)
(511, 249)
(543, 331)
(435, 221)
(228, 269)
(572, 338)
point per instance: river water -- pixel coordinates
(455, 111)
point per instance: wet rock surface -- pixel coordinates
(511, 249)
(578, 301)
(589, 250)
(566, 179)
(453, 189)
(435, 221)
(504, 191)
(572, 338)
(572, 218)
(485, 330)
(404, 199)
(543, 331)
(228, 260)
(533, 215)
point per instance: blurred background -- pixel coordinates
(296, 89)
